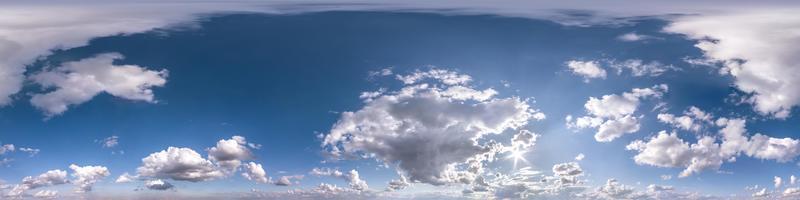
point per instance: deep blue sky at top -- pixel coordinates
(279, 80)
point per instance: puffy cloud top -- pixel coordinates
(427, 130)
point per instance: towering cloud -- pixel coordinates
(758, 48)
(86, 176)
(431, 130)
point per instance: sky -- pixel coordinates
(390, 100)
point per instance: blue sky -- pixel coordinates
(276, 88)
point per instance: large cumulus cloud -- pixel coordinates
(432, 128)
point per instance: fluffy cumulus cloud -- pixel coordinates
(761, 57)
(587, 69)
(668, 150)
(49, 178)
(526, 183)
(46, 194)
(230, 153)
(431, 129)
(79, 81)
(158, 184)
(185, 164)
(254, 172)
(287, 180)
(613, 115)
(86, 176)
(351, 177)
(693, 119)
(181, 164)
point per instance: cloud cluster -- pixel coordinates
(254, 172)
(49, 178)
(613, 115)
(431, 129)
(761, 57)
(86, 176)
(79, 81)
(184, 164)
(693, 119)
(668, 150)
(596, 69)
(351, 177)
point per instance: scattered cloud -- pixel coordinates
(79, 81)
(254, 172)
(49, 178)
(587, 69)
(352, 177)
(668, 150)
(612, 115)
(635, 37)
(158, 184)
(86, 176)
(109, 142)
(46, 194)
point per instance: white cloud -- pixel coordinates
(587, 69)
(579, 157)
(612, 115)
(352, 177)
(791, 192)
(49, 178)
(426, 131)
(31, 30)
(125, 178)
(634, 37)
(614, 190)
(31, 151)
(46, 194)
(181, 164)
(254, 172)
(640, 68)
(761, 57)
(79, 81)
(441, 75)
(287, 180)
(110, 142)
(230, 153)
(6, 148)
(158, 184)
(792, 180)
(693, 119)
(398, 184)
(525, 183)
(668, 150)
(778, 181)
(86, 176)
(761, 193)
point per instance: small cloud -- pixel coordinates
(633, 37)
